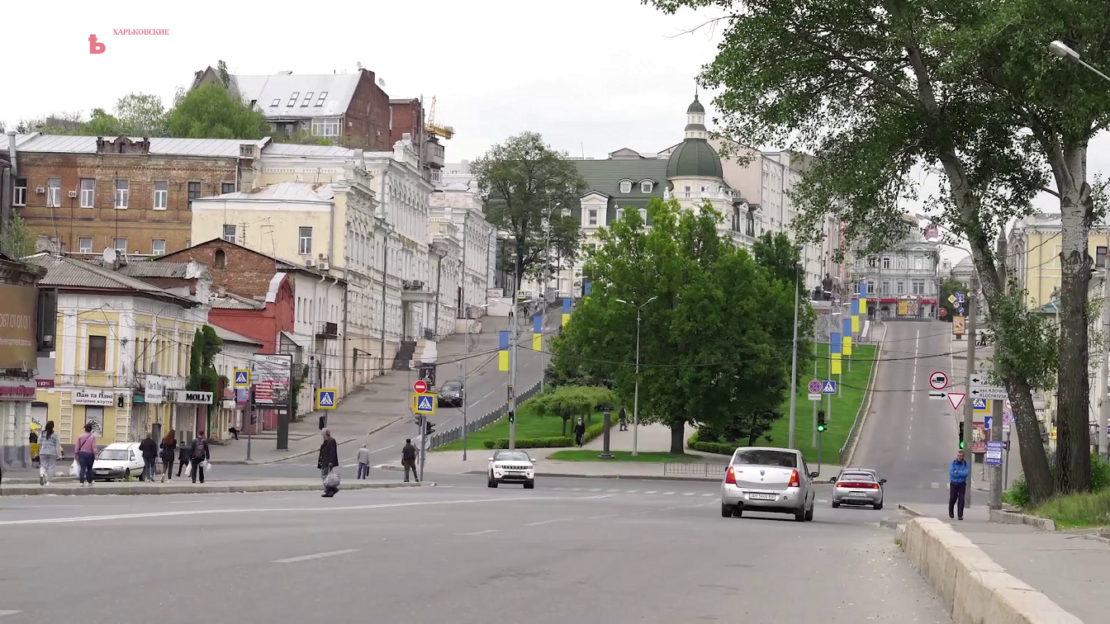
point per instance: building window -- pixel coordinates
(885, 288)
(188, 243)
(158, 246)
(902, 262)
(84, 244)
(229, 233)
(293, 98)
(221, 259)
(276, 102)
(899, 287)
(19, 193)
(53, 192)
(918, 287)
(646, 186)
(122, 191)
(1100, 257)
(704, 190)
(918, 263)
(194, 193)
(620, 213)
(227, 187)
(320, 100)
(325, 127)
(304, 242)
(161, 194)
(593, 216)
(120, 245)
(886, 262)
(626, 186)
(88, 192)
(307, 99)
(98, 352)
(686, 189)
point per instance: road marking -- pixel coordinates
(542, 522)
(822, 500)
(936, 486)
(598, 497)
(632, 491)
(612, 490)
(478, 532)
(486, 395)
(650, 492)
(334, 553)
(687, 493)
(185, 502)
(594, 490)
(214, 512)
(3, 613)
(707, 494)
(667, 493)
(602, 517)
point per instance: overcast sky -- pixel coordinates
(592, 76)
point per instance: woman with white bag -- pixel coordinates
(50, 449)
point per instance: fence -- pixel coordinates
(696, 469)
(456, 433)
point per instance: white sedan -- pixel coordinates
(511, 467)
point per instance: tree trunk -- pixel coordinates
(678, 441)
(565, 427)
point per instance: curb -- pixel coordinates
(243, 462)
(1010, 517)
(562, 475)
(972, 586)
(215, 488)
(910, 511)
(861, 416)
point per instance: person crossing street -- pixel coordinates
(958, 472)
(408, 460)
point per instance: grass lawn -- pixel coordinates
(844, 408)
(579, 455)
(528, 425)
(1075, 511)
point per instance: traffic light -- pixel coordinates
(419, 420)
(820, 421)
(512, 417)
(119, 401)
(961, 435)
(429, 428)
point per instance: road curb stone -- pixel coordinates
(108, 489)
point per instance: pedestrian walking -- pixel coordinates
(150, 455)
(958, 472)
(50, 449)
(408, 460)
(198, 455)
(86, 455)
(169, 450)
(183, 458)
(623, 418)
(579, 432)
(363, 462)
(234, 432)
(329, 460)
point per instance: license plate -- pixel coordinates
(762, 496)
(857, 494)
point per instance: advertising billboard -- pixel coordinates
(271, 378)
(18, 343)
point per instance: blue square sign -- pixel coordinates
(242, 378)
(325, 399)
(828, 387)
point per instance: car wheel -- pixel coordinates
(800, 516)
(809, 514)
(835, 504)
(530, 485)
(490, 482)
(726, 510)
(879, 506)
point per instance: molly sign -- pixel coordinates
(192, 397)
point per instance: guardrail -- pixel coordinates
(696, 469)
(456, 433)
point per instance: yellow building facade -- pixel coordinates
(1034, 255)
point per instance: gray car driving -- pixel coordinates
(858, 487)
(765, 479)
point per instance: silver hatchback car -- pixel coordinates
(858, 487)
(768, 479)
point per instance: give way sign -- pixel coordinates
(956, 399)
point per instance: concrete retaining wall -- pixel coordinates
(975, 589)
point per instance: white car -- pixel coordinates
(119, 460)
(511, 467)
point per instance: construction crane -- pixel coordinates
(430, 125)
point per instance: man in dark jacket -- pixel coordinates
(198, 454)
(329, 454)
(150, 454)
(408, 460)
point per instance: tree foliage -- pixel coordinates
(528, 187)
(17, 241)
(949, 287)
(715, 327)
(965, 89)
(211, 111)
(779, 255)
(202, 370)
(568, 402)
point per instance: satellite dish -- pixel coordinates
(109, 255)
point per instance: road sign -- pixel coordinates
(978, 379)
(988, 392)
(325, 399)
(981, 405)
(938, 380)
(242, 378)
(938, 395)
(960, 311)
(521, 295)
(828, 387)
(815, 396)
(960, 298)
(955, 399)
(815, 386)
(993, 456)
(951, 298)
(942, 313)
(420, 387)
(987, 422)
(424, 403)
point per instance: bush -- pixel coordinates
(1018, 495)
(592, 432)
(523, 443)
(1100, 481)
(717, 448)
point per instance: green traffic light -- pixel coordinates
(961, 443)
(820, 428)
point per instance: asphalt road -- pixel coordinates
(464, 554)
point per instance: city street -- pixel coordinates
(568, 551)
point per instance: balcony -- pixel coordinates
(413, 291)
(433, 155)
(330, 331)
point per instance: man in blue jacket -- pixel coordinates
(958, 473)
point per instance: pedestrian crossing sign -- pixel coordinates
(980, 405)
(424, 403)
(242, 378)
(829, 387)
(325, 399)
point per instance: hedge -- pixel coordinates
(553, 442)
(717, 448)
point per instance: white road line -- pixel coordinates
(687, 493)
(384, 448)
(3, 613)
(599, 496)
(184, 502)
(822, 500)
(935, 486)
(668, 493)
(650, 492)
(707, 495)
(632, 491)
(486, 395)
(602, 517)
(612, 490)
(542, 522)
(478, 532)
(334, 553)
(594, 490)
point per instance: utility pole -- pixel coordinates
(512, 373)
(1103, 367)
(969, 403)
(813, 441)
(793, 364)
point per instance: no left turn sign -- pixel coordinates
(938, 381)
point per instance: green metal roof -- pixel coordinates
(694, 158)
(695, 106)
(604, 176)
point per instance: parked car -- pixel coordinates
(858, 487)
(451, 394)
(768, 479)
(119, 460)
(511, 467)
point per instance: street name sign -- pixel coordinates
(955, 399)
(988, 392)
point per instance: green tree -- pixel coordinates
(779, 255)
(202, 370)
(715, 339)
(567, 402)
(968, 90)
(211, 112)
(140, 114)
(102, 124)
(17, 241)
(528, 185)
(949, 287)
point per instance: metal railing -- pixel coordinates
(456, 433)
(696, 469)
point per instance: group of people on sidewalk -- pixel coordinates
(328, 463)
(193, 457)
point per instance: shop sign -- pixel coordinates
(155, 389)
(87, 396)
(192, 397)
(17, 391)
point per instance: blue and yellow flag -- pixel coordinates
(566, 311)
(537, 332)
(503, 354)
(834, 353)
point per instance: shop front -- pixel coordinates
(191, 409)
(89, 407)
(16, 424)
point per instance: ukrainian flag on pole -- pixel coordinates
(847, 327)
(503, 354)
(834, 353)
(566, 311)
(537, 332)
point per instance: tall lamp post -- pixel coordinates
(1060, 49)
(466, 314)
(636, 400)
(794, 361)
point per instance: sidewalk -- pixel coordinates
(1064, 565)
(217, 487)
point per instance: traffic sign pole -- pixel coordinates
(971, 369)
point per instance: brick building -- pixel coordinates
(84, 193)
(350, 109)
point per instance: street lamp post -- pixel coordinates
(466, 356)
(794, 365)
(636, 399)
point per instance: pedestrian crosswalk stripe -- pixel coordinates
(687, 493)
(612, 490)
(667, 493)
(651, 492)
(595, 490)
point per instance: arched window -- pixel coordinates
(221, 259)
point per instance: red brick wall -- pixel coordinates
(367, 117)
(140, 224)
(262, 325)
(408, 117)
(246, 273)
